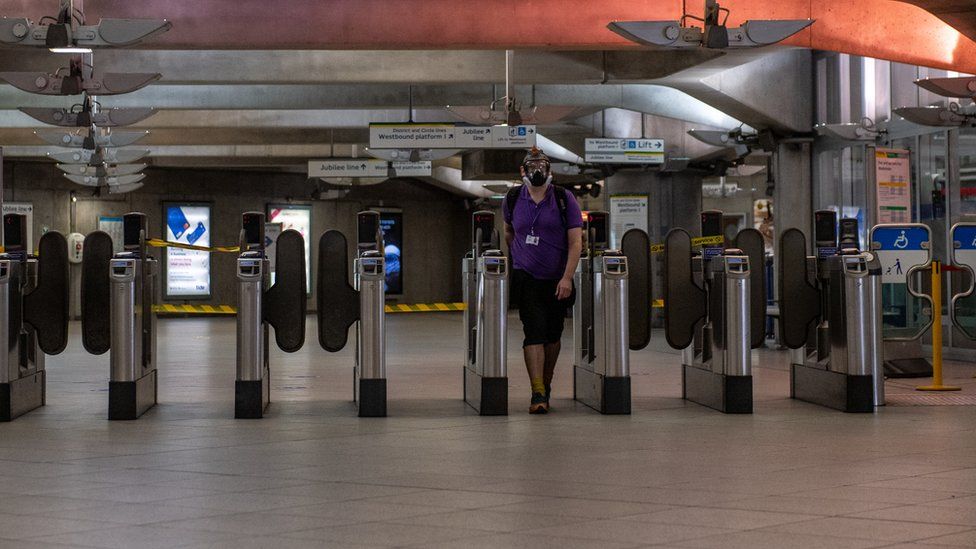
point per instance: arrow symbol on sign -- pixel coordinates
(364, 166)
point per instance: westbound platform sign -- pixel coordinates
(631, 150)
(899, 248)
(367, 167)
(450, 136)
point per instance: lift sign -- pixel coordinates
(899, 248)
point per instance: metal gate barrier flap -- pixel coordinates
(338, 302)
(636, 245)
(96, 320)
(46, 306)
(684, 300)
(799, 300)
(753, 245)
(285, 303)
(33, 315)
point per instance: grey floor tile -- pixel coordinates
(961, 515)
(892, 531)
(278, 542)
(362, 511)
(134, 514)
(582, 508)
(486, 519)
(144, 537)
(733, 519)
(630, 531)
(758, 539)
(384, 533)
(522, 540)
(28, 526)
(962, 539)
(455, 499)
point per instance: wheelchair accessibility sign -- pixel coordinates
(899, 248)
(964, 245)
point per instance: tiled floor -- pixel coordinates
(436, 475)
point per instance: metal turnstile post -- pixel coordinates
(370, 369)
(252, 388)
(133, 380)
(486, 379)
(601, 349)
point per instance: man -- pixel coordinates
(543, 230)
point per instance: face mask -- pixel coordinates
(537, 179)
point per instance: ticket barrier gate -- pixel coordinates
(260, 305)
(830, 315)
(118, 292)
(715, 313)
(485, 287)
(363, 304)
(33, 314)
(963, 255)
(611, 315)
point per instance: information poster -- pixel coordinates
(299, 218)
(113, 227)
(187, 271)
(893, 173)
(25, 209)
(391, 223)
(627, 211)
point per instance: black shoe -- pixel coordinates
(548, 395)
(539, 404)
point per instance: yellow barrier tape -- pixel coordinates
(157, 243)
(658, 304)
(190, 309)
(701, 240)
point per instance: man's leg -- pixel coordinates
(535, 363)
(552, 355)
(532, 315)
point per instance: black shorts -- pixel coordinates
(542, 315)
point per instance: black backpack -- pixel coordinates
(513, 194)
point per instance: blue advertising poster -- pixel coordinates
(391, 224)
(187, 271)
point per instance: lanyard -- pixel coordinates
(538, 211)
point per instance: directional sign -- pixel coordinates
(899, 248)
(450, 136)
(630, 150)
(411, 169)
(348, 167)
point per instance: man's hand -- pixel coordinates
(564, 289)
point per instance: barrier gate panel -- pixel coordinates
(753, 245)
(285, 302)
(962, 312)
(46, 306)
(799, 300)
(636, 245)
(338, 302)
(684, 300)
(96, 320)
(903, 250)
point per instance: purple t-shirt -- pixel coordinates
(545, 260)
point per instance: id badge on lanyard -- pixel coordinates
(531, 240)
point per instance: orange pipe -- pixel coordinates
(883, 29)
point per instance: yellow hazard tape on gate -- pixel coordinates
(187, 309)
(157, 243)
(700, 241)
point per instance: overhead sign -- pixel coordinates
(450, 136)
(411, 169)
(899, 248)
(367, 167)
(348, 167)
(625, 151)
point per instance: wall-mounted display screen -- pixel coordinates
(392, 225)
(187, 271)
(299, 218)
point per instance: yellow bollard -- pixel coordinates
(937, 334)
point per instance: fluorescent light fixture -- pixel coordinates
(70, 49)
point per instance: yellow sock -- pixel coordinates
(538, 386)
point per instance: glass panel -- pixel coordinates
(902, 312)
(965, 307)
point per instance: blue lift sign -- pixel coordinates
(899, 248)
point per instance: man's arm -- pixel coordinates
(574, 238)
(509, 235)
